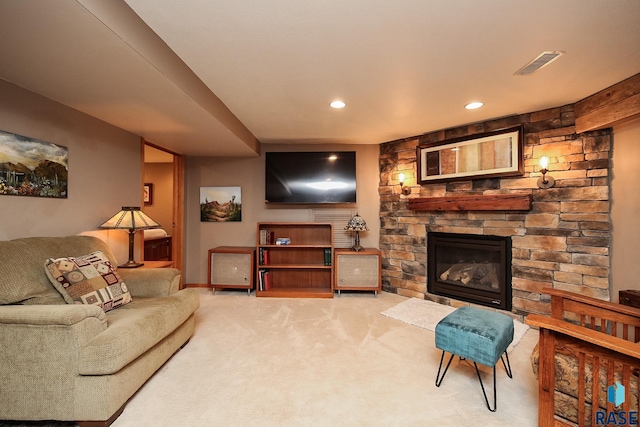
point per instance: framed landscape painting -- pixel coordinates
(487, 155)
(220, 204)
(30, 167)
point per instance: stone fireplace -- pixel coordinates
(561, 239)
(472, 268)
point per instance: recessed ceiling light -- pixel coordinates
(338, 104)
(473, 105)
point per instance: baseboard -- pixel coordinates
(198, 285)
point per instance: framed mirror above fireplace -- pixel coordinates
(487, 155)
(470, 267)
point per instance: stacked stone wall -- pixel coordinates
(563, 242)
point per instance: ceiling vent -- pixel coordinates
(542, 60)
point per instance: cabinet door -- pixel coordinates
(231, 269)
(357, 271)
(157, 249)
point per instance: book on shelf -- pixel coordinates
(327, 256)
(267, 280)
(263, 237)
(264, 280)
(263, 256)
(283, 241)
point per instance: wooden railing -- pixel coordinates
(603, 337)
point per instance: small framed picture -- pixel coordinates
(147, 194)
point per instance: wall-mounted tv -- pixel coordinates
(310, 177)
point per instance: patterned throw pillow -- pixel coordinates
(89, 279)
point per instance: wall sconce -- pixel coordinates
(545, 181)
(405, 190)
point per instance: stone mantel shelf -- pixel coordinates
(494, 202)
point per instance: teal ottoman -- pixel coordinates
(481, 336)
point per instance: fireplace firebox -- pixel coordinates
(470, 267)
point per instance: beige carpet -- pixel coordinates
(426, 314)
(322, 362)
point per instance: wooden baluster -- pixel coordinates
(581, 389)
(610, 380)
(625, 332)
(595, 395)
(626, 382)
(546, 379)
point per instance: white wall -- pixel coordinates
(104, 171)
(625, 209)
(248, 173)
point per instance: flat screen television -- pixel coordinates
(310, 177)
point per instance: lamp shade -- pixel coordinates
(357, 223)
(130, 218)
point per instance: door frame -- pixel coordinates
(177, 231)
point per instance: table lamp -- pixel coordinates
(357, 224)
(132, 219)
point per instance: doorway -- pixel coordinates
(163, 200)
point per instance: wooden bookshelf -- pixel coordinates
(300, 267)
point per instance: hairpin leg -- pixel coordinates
(438, 377)
(484, 392)
(507, 367)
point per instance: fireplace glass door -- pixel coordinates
(469, 267)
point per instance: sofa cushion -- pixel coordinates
(23, 280)
(88, 279)
(134, 329)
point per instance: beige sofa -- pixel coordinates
(74, 362)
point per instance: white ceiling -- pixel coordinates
(220, 78)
